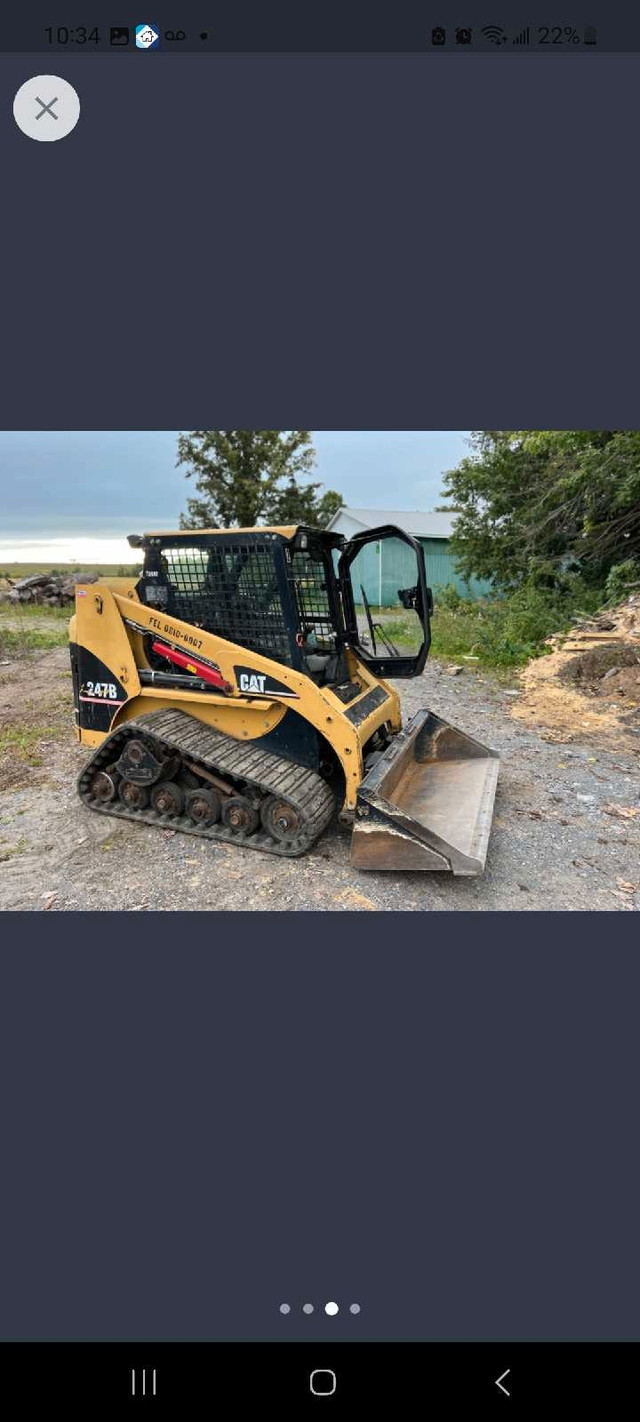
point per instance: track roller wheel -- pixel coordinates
(135, 797)
(104, 786)
(280, 819)
(135, 753)
(203, 806)
(240, 815)
(167, 798)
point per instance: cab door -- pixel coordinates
(386, 601)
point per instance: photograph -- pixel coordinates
(353, 673)
(307, 670)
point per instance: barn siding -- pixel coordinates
(442, 569)
(381, 579)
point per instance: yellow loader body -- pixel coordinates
(234, 691)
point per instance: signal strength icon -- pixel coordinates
(495, 33)
(524, 37)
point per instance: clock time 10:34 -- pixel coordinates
(80, 34)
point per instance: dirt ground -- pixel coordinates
(566, 831)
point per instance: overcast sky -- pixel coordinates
(104, 485)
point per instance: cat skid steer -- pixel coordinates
(238, 690)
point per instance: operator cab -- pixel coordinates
(296, 595)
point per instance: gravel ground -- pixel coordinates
(553, 846)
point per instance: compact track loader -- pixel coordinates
(237, 690)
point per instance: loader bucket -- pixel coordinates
(428, 802)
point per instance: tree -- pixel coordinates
(239, 476)
(300, 504)
(538, 505)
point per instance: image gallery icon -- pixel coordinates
(147, 36)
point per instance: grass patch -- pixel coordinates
(30, 628)
(24, 741)
(402, 631)
(15, 571)
(30, 611)
(7, 853)
(33, 639)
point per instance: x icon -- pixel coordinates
(46, 108)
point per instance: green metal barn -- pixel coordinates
(383, 568)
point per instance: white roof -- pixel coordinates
(421, 525)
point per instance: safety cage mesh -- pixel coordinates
(309, 578)
(230, 589)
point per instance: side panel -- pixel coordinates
(100, 694)
(294, 739)
(243, 721)
(102, 662)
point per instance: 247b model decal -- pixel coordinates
(100, 691)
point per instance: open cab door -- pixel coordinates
(427, 802)
(386, 601)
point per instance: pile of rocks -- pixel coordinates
(48, 589)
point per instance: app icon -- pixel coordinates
(119, 34)
(147, 36)
(438, 35)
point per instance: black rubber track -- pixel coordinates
(242, 761)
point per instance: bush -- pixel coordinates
(509, 632)
(447, 596)
(621, 577)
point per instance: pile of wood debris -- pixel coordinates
(588, 685)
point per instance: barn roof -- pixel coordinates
(421, 525)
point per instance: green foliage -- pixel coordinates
(448, 596)
(248, 477)
(621, 578)
(507, 633)
(537, 505)
(299, 503)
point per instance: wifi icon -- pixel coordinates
(495, 33)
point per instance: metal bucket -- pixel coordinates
(428, 801)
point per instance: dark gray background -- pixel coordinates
(204, 1118)
(351, 242)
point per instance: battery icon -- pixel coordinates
(591, 35)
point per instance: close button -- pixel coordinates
(46, 108)
(323, 1382)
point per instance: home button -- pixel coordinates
(323, 1382)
